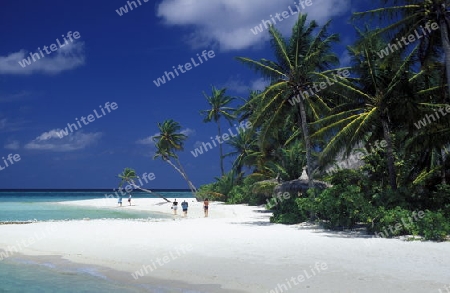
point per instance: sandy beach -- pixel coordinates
(235, 249)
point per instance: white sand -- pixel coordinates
(236, 248)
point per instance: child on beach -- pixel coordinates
(120, 200)
(184, 206)
(129, 199)
(205, 207)
(175, 206)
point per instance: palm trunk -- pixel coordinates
(148, 191)
(446, 47)
(191, 186)
(444, 161)
(185, 176)
(220, 149)
(390, 154)
(304, 126)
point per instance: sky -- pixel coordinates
(104, 77)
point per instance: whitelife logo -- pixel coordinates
(423, 123)
(76, 35)
(188, 66)
(243, 126)
(159, 262)
(411, 38)
(90, 118)
(122, 10)
(284, 14)
(11, 158)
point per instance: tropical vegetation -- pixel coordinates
(381, 99)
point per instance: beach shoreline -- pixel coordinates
(235, 249)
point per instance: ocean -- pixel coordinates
(23, 274)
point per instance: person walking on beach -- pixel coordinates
(205, 207)
(184, 206)
(119, 202)
(129, 199)
(175, 206)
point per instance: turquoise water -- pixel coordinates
(40, 205)
(20, 275)
(25, 276)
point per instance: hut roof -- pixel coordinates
(299, 185)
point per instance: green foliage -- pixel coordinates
(342, 206)
(434, 226)
(220, 189)
(287, 211)
(398, 221)
(382, 219)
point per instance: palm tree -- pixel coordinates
(167, 143)
(219, 104)
(409, 15)
(382, 96)
(299, 60)
(128, 175)
(245, 150)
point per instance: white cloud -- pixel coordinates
(188, 131)
(237, 85)
(3, 123)
(149, 140)
(228, 23)
(259, 84)
(345, 59)
(6, 125)
(17, 97)
(51, 141)
(65, 58)
(14, 145)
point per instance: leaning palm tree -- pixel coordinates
(167, 143)
(128, 175)
(410, 15)
(219, 104)
(295, 71)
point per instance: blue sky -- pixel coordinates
(115, 59)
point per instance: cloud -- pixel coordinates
(259, 84)
(14, 145)
(345, 59)
(149, 140)
(188, 132)
(50, 141)
(228, 23)
(65, 58)
(17, 97)
(237, 85)
(7, 126)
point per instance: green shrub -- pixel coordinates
(342, 206)
(305, 205)
(239, 194)
(434, 226)
(384, 221)
(287, 212)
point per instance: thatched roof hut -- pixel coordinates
(299, 185)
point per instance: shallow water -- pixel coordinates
(40, 206)
(21, 274)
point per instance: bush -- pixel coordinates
(239, 194)
(287, 212)
(384, 221)
(434, 226)
(251, 191)
(342, 206)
